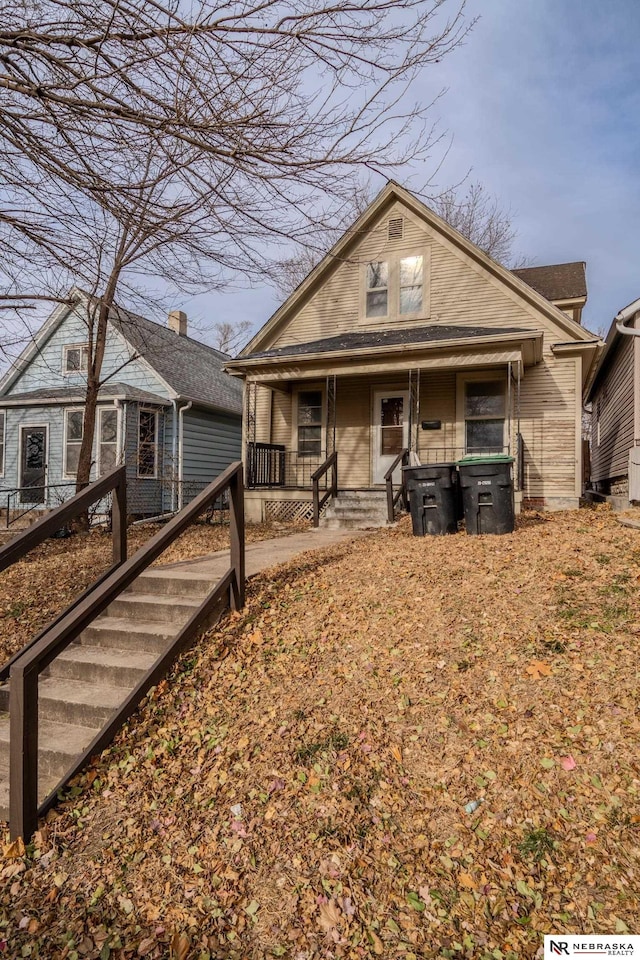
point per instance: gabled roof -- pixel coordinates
(189, 369)
(341, 250)
(557, 281)
(612, 339)
(193, 370)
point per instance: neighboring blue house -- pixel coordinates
(166, 408)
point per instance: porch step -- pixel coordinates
(149, 636)
(354, 509)
(118, 668)
(170, 582)
(59, 743)
(150, 606)
(45, 786)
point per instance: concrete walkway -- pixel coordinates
(261, 555)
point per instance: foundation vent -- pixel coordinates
(395, 228)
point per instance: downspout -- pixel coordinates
(181, 413)
(174, 453)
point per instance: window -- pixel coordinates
(147, 443)
(484, 414)
(377, 289)
(76, 358)
(396, 288)
(73, 431)
(107, 439)
(310, 423)
(2, 421)
(410, 284)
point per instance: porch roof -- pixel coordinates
(363, 339)
(367, 351)
(44, 396)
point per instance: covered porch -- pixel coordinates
(313, 427)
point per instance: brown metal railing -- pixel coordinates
(26, 669)
(33, 536)
(392, 498)
(331, 463)
(265, 465)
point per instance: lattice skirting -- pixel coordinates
(287, 511)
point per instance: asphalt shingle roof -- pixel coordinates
(362, 340)
(191, 368)
(558, 281)
(65, 394)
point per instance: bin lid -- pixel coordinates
(485, 458)
(449, 464)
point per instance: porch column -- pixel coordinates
(251, 400)
(331, 415)
(414, 409)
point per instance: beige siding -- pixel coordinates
(613, 411)
(548, 405)
(461, 292)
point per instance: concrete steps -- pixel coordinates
(86, 684)
(356, 509)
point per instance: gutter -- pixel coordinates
(174, 452)
(625, 315)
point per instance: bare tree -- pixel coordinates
(479, 217)
(227, 336)
(147, 143)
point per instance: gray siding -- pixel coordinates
(613, 415)
(145, 495)
(211, 441)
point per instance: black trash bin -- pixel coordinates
(433, 497)
(487, 493)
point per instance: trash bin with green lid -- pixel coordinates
(487, 493)
(433, 498)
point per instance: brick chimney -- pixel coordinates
(178, 322)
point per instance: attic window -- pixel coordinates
(76, 358)
(395, 228)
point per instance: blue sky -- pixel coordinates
(542, 107)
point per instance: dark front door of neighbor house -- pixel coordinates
(33, 464)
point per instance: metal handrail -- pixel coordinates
(14, 492)
(331, 463)
(392, 499)
(25, 671)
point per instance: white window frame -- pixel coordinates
(393, 289)
(147, 476)
(66, 412)
(101, 411)
(65, 352)
(3, 458)
(310, 388)
(36, 425)
(482, 376)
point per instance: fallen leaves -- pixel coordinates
(397, 751)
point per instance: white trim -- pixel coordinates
(71, 409)
(75, 346)
(481, 376)
(153, 476)
(3, 462)
(34, 346)
(99, 411)
(377, 395)
(32, 426)
(393, 316)
(311, 387)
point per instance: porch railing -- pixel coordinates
(331, 463)
(20, 502)
(26, 669)
(265, 465)
(401, 493)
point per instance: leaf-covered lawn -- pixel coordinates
(402, 748)
(35, 590)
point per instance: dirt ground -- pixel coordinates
(35, 590)
(402, 748)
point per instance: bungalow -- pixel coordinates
(407, 337)
(166, 409)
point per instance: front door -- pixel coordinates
(33, 464)
(390, 431)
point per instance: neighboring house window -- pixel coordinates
(73, 431)
(310, 423)
(397, 288)
(147, 443)
(76, 358)
(377, 289)
(484, 415)
(107, 439)
(2, 423)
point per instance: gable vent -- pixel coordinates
(395, 228)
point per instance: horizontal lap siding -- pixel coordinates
(613, 407)
(461, 292)
(548, 404)
(211, 441)
(437, 402)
